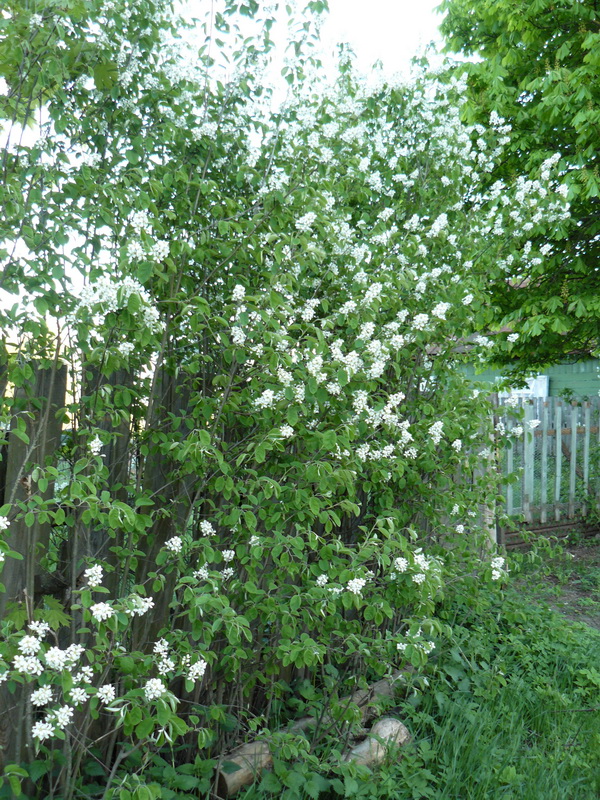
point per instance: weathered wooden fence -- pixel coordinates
(554, 462)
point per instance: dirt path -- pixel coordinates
(572, 584)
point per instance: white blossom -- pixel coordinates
(63, 716)
(78, 695)
(29, 645)
(106, 693)
(42, 730)
(440, 310)
(200, 574)
(154, 689)
(138, 606)
(101, 611)
(126, 348)
(197, 670)
(356, 585)
(96, 446)
(175, 544)
(28, 665)
(93, 576)
(436, 431)
(42, 696)
(420, 322)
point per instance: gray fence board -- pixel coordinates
(554, 464)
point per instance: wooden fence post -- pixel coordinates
(37, 403)
(544, 477)
(587, 434)
(573, 459)
(558, 471)
(528, 463)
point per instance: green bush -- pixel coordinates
(274, 469)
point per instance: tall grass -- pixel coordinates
(512, 710)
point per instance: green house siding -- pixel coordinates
(582, 378)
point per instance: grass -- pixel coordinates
(512, 710)
(569, 581)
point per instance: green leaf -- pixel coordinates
(270, 783)
(144, 728)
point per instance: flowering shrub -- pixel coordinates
(273, 464)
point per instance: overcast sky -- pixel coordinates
(392, 31)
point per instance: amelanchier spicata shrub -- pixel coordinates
(271, 465)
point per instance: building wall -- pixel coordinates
(582, 377)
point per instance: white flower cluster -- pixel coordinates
(416, 642)
(96, 446)
(196, 671)
(356, 585)
(102, 611)
(106, 693)
(154, 689)
(107, 296)
(206, 528)
(175, 544)
(436, 431)
(135, 605)
(420, 567)
(93, 576)
(498, 568)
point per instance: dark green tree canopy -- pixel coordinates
(539, 68)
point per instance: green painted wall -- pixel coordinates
(582, 377)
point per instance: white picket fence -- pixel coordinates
(556, 465)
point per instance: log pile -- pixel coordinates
(241, 766)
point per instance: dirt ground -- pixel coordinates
(571, 583)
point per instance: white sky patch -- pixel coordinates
(390, 31)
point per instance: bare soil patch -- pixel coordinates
(571, 583)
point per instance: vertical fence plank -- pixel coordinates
(558, 469)
(597, 440)
(587, 434)
(510, 467)
(544, 476)
(573, 459)
(528, 464)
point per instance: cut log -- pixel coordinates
(240, 767)
(384, 735)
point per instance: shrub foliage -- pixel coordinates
(270, 467)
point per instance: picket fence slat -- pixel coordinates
(573, 460)
(544, 470)
(552, 463)
(587, 417)
(528, 464)
(558, 459)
